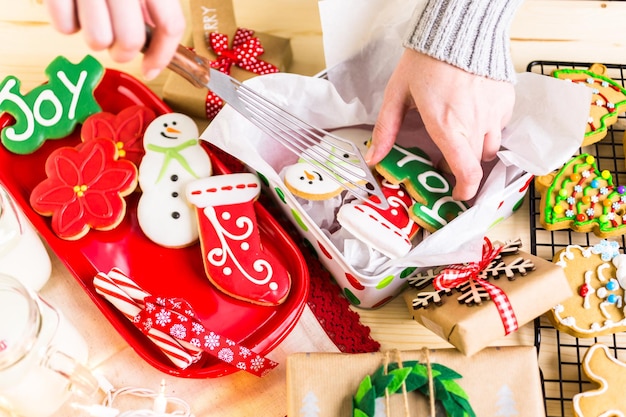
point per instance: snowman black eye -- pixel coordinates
(164, 124)
(174, 122)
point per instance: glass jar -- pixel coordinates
(22, 253)
(41, 354)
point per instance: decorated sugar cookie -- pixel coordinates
(125, 128)
(596, 276)
(608, 374)
(84, 188)
(51, 110)
(434, 206)
(607, 101)
(307, 180)
(582, 197)
(173, 158)
(234, 258)
(387, 230)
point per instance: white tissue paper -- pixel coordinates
(362, 41)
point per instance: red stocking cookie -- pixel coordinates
(387, 230)
(234, 259)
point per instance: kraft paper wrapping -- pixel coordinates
(501, 381)
(472, 328)
(217, 16)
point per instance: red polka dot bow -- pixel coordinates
(244, 54)
(458, 274)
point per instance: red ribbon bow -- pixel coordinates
(458, 274)
(176, 317)
(244, 54)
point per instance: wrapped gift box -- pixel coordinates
(472, 327)
(502, 381)
(208, 16)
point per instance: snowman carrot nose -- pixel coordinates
(309, 176)
(171, 130)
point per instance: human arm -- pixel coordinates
(119, 26)
(456, 71)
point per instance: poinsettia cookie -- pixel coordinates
(174, 157)
(582, 197)
(234, 258)
(84, 188)
(607, 101)
(51, 110)
(434, 206)
(597, 277)
(125, 128)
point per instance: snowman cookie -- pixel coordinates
(233, 254)
(307, 180)
(389, 230)
(173, 158)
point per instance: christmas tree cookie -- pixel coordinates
(607, 101)
(51, 110)
(582, 197)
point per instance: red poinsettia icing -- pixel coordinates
(126, 129)
(84, 188)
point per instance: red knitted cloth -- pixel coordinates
(330, 307)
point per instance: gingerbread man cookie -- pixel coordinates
(174, 157)
(607, 101)
(51, 110)
(582, 197)
(233, 254)
(597, 278)
(434, 206)
(390, 230)
(608, 399)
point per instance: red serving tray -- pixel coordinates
(159, 270)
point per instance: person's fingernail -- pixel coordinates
(369, 154)
(151, 74)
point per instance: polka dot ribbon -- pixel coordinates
(176, 317)
(458, 274)
(244, 54)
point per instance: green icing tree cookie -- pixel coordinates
(51, 110)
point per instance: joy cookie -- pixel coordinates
(434, 206)
(597, 277)
(607, 101)
(234, 258)
(84, 188)
(390, 230)
(609, 375)
(173, 158)
(51, 110)
(125, 128)
(582, 197)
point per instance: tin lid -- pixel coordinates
(20, 320)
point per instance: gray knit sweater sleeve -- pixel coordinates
(470, 34)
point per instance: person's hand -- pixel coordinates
(119, 26)
(463, 113)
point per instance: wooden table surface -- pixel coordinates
(542, 30)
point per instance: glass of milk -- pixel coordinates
(41, 354)
(22, 253)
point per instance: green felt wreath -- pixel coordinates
(415, 376)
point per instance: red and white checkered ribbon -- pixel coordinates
(174, 327)
(244, 54)
(458, 274)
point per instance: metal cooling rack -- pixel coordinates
(560, 355)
